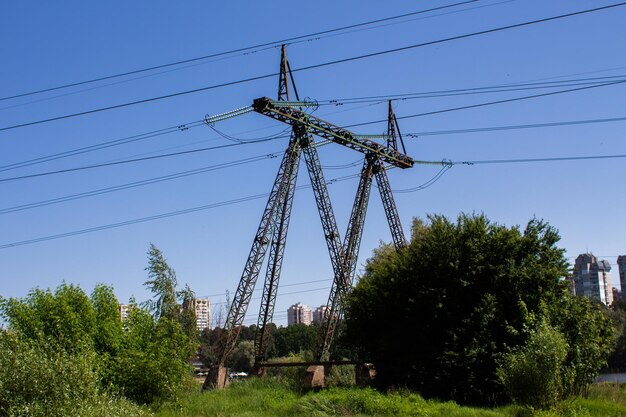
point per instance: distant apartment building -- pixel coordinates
(592, 278)
(299, 314)
(124, 310)
(318, 314)
(621, 265)
(202, 308)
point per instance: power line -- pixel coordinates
(514, 127)
(189, 125)
(128, 161)
(134, 184)
(239, 142)
(103, 145)
(160, 216)
(259, 196)
(489, 103)
(237, 50)
(315, 66)
(527, 160)
(223, 294)
(471, 91)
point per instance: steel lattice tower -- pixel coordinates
(272, 231)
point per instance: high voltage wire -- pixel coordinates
(249, 53)
(259, 196)
(194, 124)
(162, 215)
(514, 127)
(320, 65)
(224, 165)
(134, 184)
(234, 51)
(189, 125)
(472, 91)
(528, 160)
(489, 103)
(104, 145)
(287, 293)
(223, 294)
(128, 161)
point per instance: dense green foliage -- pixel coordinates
(65, 349)
(532, 373)
(617, 360)
(469, 292)
(42, 379)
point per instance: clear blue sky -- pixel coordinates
(48, 44)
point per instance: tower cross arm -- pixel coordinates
(318, 127)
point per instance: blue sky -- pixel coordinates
(51, 44)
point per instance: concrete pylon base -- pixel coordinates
(314, 378)
(216, 379)
(364, 374)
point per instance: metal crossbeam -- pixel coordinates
(326, 130)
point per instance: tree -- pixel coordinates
(152, 363)
(108, 326)
(187, 317)
(65, 318)
(162, 283)
(295, 339)
(465, 291)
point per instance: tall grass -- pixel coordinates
(275, 397)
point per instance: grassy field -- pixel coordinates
(273, 397)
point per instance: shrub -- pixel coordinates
(533, 374)
(36, 379)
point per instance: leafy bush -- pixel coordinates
(152, 361)
(43, 380)
(533, 374)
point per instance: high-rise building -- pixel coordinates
(621, 265)
(592, 278)
(299, 314)
(124, 310)
(318, 314)
(202, 308)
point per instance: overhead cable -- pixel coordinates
(160, 216)
(237, 50)
(314, 66)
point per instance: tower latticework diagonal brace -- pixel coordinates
(274, 265)
(340, 287)
(241, 298)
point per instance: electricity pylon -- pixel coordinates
(272, 231)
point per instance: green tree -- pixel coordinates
(462, 291)
(152, 363)
(187, 317)
(590, 337)
(242, 357)
(162, 283)
(108, 327)
(295, 339)
(66, 317)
